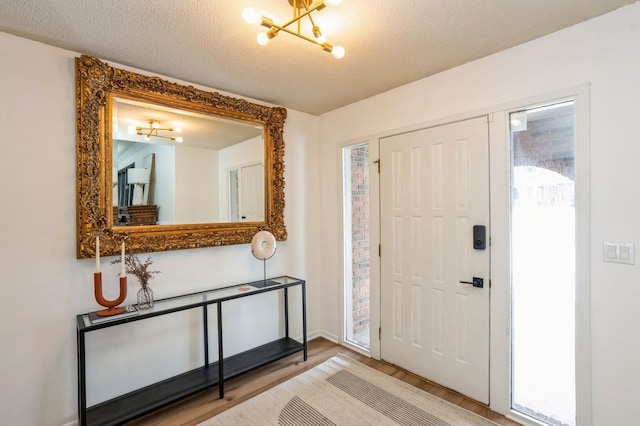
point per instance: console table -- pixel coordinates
(150, 398)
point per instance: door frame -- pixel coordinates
(499, 187)
(374, 241)
(500, 176)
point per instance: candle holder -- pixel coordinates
(109, 304)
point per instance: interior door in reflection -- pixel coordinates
(246, 194)
(251, 190)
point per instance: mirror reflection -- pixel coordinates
(172, 166)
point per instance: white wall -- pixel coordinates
(604, 52)
(44, 286)
(164, 183)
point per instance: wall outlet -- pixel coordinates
(617, 252)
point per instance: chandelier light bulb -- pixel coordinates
(177, 129)
(250, 15)
(131, 129)
(263, 39)
(179, 139)
(338, 52)
(146, 137)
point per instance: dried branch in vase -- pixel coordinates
(135, 267)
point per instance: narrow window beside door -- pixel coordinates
(356, 244)
(543, 263)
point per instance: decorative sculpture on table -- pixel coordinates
(111, 305)
(263, 246)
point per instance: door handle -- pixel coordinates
(477, 282)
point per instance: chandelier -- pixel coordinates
(153, 131)
(301, 9)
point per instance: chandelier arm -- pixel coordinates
(312, 22)
(164, 137)
(310, 16)
(319, 6)
(286, 30)
(302, 15)
(153, 132)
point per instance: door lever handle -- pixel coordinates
(477, 282)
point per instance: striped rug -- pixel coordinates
(342, 391)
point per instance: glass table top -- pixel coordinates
(192, 300)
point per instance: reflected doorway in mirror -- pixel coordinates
(149, 163)
(246, 193)
(139, 178)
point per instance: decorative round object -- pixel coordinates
(263, 245)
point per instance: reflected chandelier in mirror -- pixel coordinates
(103, 94)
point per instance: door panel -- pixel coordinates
(434, 187)
(252, 193)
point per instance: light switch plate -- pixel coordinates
(626, 253)
(618, 252)
(610, 251)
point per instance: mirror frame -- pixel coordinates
(96, 84)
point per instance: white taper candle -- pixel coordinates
(122, 261)
(97, 255)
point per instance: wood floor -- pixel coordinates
(206, 404)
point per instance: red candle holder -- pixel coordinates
(109, 304)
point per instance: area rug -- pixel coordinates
(342, 391)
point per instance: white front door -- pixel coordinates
(434, 188)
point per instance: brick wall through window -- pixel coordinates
(360, 238)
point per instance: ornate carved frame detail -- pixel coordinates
(96, 84)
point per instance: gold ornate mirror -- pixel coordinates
(163, 166)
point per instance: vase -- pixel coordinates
(145, 297)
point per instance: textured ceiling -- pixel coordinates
(388, 43)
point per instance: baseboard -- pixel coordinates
(324, 334)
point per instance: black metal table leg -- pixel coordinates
(205, 321)
(286, 312)
(220, 352)
(304, 318)
(82, 380)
